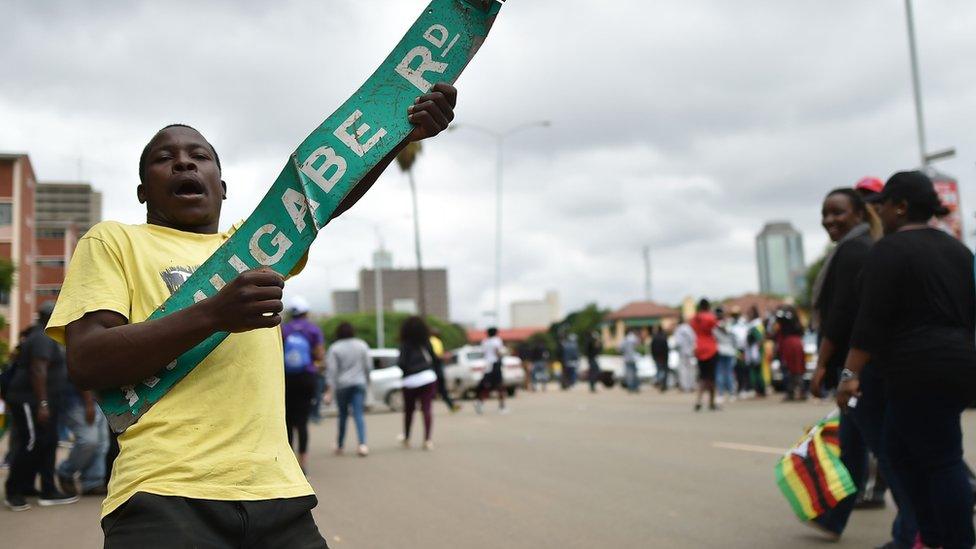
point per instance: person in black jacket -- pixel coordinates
(418, 362)
(917, 321)
(848, 221)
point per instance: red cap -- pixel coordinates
(870, 184)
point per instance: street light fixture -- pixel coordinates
(499, 138)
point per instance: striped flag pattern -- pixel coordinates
(811, 475)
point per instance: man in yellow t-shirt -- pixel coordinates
(209, 464)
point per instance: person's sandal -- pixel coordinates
(363, 450)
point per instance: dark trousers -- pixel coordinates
(743, 376)
(593, 373)
(861, 430)
(425, 394)
(923, 436)
(149, 521)
(33, 451)
(663, 371)
(299, 392)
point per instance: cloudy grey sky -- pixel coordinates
(681, 125)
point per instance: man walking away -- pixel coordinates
(660, 349)
(34, 398)
(571, 356)
(85, 420)
(494, 349)
(628, 348)
(593, 349)
(304, 350)
(540, 365)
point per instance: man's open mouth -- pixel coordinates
(189, 188)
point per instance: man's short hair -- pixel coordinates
(145, 150)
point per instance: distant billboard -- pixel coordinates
(948, 190)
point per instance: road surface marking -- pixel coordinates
(749, 448)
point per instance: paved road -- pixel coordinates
(562, 470)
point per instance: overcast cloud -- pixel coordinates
(680, 125)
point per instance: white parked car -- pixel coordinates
(465, 367)
(385, 380)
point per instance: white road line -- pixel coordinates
(749, 448)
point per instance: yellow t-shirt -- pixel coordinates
(437, 345)
(220, 432)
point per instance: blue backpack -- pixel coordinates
(298, 353)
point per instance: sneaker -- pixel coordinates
(428, 445)
(714, 407)
(363, 450)
(478, 406)
(337, 451)
(503, 411)
(56, 498)
(698, 407)
(16, 503)
(67, 484)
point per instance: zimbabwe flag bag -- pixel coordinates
(811, 475)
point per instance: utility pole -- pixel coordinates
(647, 273)
(927, 158)
(378, 290)
(916, 85)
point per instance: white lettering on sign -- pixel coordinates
(352, 140)
(451, 45)
(151, 382)
(237, 264)
(129, 393)
(217, 282)
(279, 241)
(330, 160)
(437, 41)
(171, 365)
(427, 64)
(297, 206)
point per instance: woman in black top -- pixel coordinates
(420, 365)
(851, 223)
(918, 317)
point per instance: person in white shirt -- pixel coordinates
(685, 340)
(494, 350)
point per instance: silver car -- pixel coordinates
(465, 367)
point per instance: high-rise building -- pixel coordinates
(536, 313)
(65, 210)
(17, 242)
(779, 258)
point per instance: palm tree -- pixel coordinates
(405, 159)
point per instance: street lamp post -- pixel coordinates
(927, 158)
(499, 138)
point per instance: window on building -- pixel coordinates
(4, 298)
(49, 233)
(48, 292)
(6, 214)
(57, 262)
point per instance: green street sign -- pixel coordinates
(318, 175)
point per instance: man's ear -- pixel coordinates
(141, 194)
(223, 185)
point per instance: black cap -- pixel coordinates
(917, 190)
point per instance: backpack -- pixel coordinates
(298, 353)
